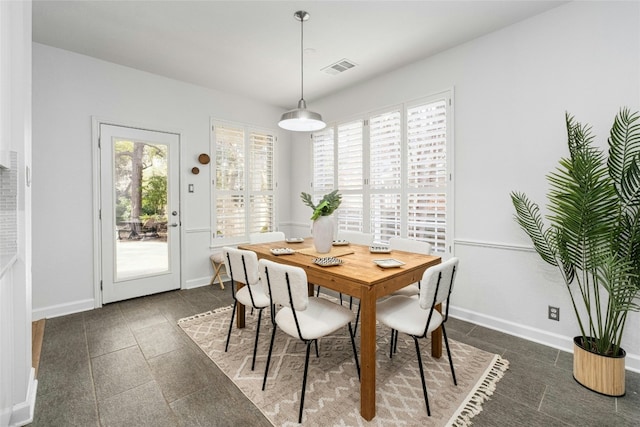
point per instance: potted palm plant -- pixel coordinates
(594, 240)
(323, 224)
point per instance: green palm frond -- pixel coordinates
(578, 135)
(629, 185)
(624, 152)
(581, 200)
(529, 218)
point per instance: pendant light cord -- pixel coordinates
(302, 57)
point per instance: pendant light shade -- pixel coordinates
(301, 119)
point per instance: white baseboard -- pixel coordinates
(62, 309)
(22, 413)
(202, 281)
(632, 361)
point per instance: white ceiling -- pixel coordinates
(252, 48)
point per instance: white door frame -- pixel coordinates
(97, 234)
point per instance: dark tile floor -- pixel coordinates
(129, 364)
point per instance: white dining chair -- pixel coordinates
(409, 245)
(266, 237)
(300, 316)
(242, 266)
(418, 317)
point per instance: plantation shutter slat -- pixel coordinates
(230, 164)
(261, 152)
(261, 208)
(385, 216)
(323, 162)
(350, 214)
(230, 214)
(350, 162)
(427, 143)
(385, 151)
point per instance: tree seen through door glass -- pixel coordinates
(140, 186)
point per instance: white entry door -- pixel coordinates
(140, 212)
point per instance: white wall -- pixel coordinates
(68, 89)
(512, 89)
(17, 383)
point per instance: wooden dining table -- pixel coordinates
(358, 276)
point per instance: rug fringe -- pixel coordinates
(472, 405)
(205, 314)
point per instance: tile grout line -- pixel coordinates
(544, 393)
(93, 383)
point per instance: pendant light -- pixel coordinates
(301, 119)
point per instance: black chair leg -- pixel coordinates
(233, 314)
(395, 343)
(304, 381)
(317, 353)
(318, 292)
(355, 329)
(424, 384)
(255, 344)
(266, 368)
(393, 333)
(355, 352)
(446, 343)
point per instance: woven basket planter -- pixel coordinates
(602, 374)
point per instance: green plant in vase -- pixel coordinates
(325, 207)
(323, 226)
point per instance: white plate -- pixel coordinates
(388, 263)
(294, 240)
(282, 251)
(340, 243)
(379, 249)
(327, 261)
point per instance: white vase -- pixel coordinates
(322, 230)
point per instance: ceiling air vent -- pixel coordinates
(340, 66)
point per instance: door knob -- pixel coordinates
(174, 224)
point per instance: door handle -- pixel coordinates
(175, 224)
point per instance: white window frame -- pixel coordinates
(404, 189)
(216, 240)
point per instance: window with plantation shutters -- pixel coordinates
(385, 181)
(243, 192)
(393, 170)
(350, 177)
(323, 161)
(427, 173)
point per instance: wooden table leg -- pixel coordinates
(240, 311)
(436, 339)
(368, 354)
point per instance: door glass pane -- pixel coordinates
(140, 186)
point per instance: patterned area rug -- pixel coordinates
(333, 390)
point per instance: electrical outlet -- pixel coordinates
(554, 313)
